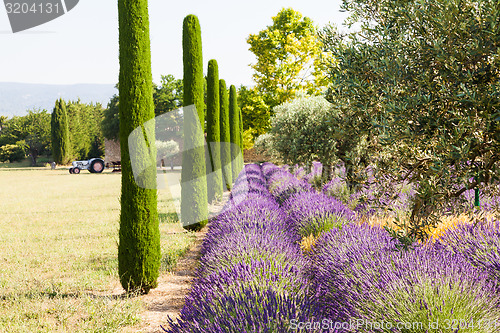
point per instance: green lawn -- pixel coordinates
(58, 251)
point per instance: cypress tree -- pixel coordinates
(194, 203)
(59, 127)
(139, 245)
(234, 125)
(214, 180)
(225, 135)
(240, 119)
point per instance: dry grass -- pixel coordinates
(58, 251)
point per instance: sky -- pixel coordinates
(82, 45)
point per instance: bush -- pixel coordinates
(357, 274)
(301, 132)
(11, 153)
(479, 243)
(313, 213)
(165, 149)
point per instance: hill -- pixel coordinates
(16, 98)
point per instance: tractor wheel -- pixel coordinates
(71, 170)
(97, 166)
(76, 170)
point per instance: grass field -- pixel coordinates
(58, 251)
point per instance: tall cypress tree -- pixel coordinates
(214, 180)
(234, 125)
(139, 246)
(225, 135)
(194, 203)
(240, 119)
(60, 133)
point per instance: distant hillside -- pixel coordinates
(16, 98)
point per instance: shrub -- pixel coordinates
(313, 213)
(283, 185)
(301, 132)
(11, 153)
(165, 149)
(479, 243)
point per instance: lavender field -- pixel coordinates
(288, 255)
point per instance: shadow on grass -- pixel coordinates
(168, 217)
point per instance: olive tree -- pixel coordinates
(421, 78)
(302, 131)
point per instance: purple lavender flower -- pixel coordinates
(283, 184)
(356, 274)
(245, 310)
(312, 213)
(479, 243)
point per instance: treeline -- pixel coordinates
(31, 135)
(39, 134)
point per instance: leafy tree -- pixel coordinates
(225, 135)
(234, 126)
(254, 110)
(422, 78)
(139, 251)
(194, 203)
(3, 119)
(85, 132)
(110, 124)
(214, 179)
(240, 121)
(288, 58)
(168, 95)
(32, 132)
(60, 133)
(166, 149)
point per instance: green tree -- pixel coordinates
(168, 95)
(139, 252)
(240, 121)
(214, 179)
(85, 132)
(254, 110)
(3, 119)
(289, 58)
(194, 203)
(60, 133)
(31, 132)
(110, 124)
(422, 76)
(225, 135)
(234, 125)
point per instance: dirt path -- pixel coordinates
(168, 298)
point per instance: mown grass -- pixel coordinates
(58, 251)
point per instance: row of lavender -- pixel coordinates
(251, 276)
(254, 278)
(357, 274)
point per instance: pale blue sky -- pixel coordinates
(82, 46)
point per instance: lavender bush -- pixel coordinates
(479, 243)
(313, 213)
(357, 275)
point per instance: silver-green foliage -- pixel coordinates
(302, 131)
